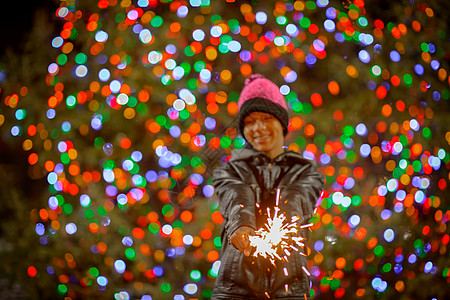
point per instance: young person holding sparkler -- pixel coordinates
(260, 183)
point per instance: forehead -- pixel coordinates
(258, 114)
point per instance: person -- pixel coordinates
(247, 185)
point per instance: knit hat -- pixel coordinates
(262, 95)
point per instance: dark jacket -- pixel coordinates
(251, 177)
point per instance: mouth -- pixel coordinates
(261, 138)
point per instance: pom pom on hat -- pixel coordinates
(262, 95)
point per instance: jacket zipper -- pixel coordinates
(270, 176)
(269, 285)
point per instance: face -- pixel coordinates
(264, 132)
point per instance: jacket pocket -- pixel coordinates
(224, 280)
(238, 274)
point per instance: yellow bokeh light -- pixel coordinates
(72, 153)
(390, 165)
(326, 218)
(246, 8)
(67, 48)
(27, 145)
(405, 179)
(211, 53)
(225, 76)
(185, 138)
(353, 14)
(299, 5)
(48, 145)
(352, 71)
(159, 256)
(157, 143)
(129, 113)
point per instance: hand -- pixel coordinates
(240, 240)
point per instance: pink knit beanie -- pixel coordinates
(262, 95)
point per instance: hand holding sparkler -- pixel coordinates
(240, 239)
(279, 237)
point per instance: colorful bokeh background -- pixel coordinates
(115, 113)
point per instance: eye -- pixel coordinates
(267, 118)
(249, 121)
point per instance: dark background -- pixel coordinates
(16, 21)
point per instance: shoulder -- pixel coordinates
(237, 166)
(232, 168)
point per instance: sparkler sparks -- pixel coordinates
(278, 238)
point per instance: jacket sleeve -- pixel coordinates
(300, 190)
(237, 200)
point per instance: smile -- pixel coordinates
(261, 138)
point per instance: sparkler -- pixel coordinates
(278, 238)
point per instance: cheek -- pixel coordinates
(280, 128)
(246, 132)
(247, 135)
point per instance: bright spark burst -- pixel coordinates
(278, 238)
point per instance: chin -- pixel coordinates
(262, 148)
